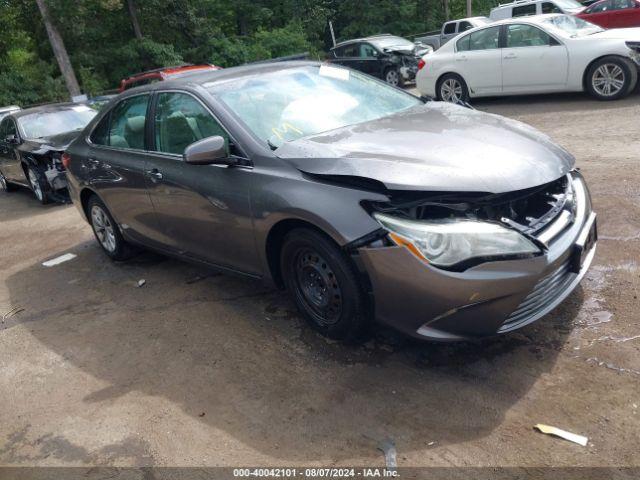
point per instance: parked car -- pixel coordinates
(548, 53)
(450, 30)
(99, 101)
(4, 111)
(525, 8)
(393, 59)
(444, 222)
(613, 13)
(160, 74)
(31, 145)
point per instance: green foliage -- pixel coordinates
(100, 40)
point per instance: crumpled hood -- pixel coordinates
(434, 147)
(630, 34)
(58, 142)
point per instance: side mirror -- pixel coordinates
(208, 151)
(12, 140)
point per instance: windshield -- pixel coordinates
(292, 103)
(568, 4)
(573, 26)
(393, 42)
(47, 124)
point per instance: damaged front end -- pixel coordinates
(458, 265)
(407, 61)
(49, 172)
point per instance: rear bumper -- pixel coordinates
(491, 298)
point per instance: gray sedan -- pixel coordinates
(361, 200)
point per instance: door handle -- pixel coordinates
(155, 175)
(92, 163)
(510, 56)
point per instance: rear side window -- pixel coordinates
(548, 7)
(600, 7)
(622, 4)
(524, 10)
(486, 39)
(127, 123)
(182, 120)
(450, 28)
(100, 135)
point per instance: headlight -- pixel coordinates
(449, 241)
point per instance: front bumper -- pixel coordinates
(491, 298)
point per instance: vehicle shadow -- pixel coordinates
(235, 356)
(21, 203)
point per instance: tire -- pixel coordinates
(611, 78)
(5, 186)
(453, 89)
(106, 231)
(392, 77)
(38, 183)
(323, 284)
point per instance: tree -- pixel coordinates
(133, 14)
(59, 50)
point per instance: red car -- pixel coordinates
(613, 13)
(159, 74)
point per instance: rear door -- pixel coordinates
(348, 55)
(478, 59)
(532, 60)
(599, 13)
(116, 166)
(202, 211)
(624, 14)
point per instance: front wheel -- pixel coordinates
(453, 89)
(611, 78)
(392, 77)
(324, 284)
(106, 231)
(5, 186)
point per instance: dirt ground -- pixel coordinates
(201, 369)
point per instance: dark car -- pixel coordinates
(161, 74)
(360, 199)
(393, 59)
(31, 145)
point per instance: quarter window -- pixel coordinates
(486, 39)
(127, 123)
(524, 10)
(526, 36)
(181, 120)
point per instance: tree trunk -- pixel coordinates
(133, 15)
(59, 50)
(447, 13)
(469, 8)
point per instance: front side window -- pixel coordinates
(49, 123)
(8, 128)
(526, 36)
(367, 51)
(100, 134)
(291, 103)
(486, 39)
(464, 26)
(525, 10)
(181, 120)
(464, 44)
(128, 122)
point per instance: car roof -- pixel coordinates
(366, 39)
(535, 19)
(222, 75)
(9, 108)
(47, 108)
(174, 70)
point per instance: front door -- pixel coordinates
(479, 61)
(9, 159)
(532, 60)
(202, 211)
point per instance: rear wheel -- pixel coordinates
(106, 231)
(38, 184)
(453, 89)
(611, 78)
(324, 284)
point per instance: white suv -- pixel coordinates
(525, 8)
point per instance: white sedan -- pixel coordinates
(526, 55)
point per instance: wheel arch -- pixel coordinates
(451, 72)
(85, 194)
(597, 59)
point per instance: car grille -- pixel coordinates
(546, 290)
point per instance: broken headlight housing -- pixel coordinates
(448, 242)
